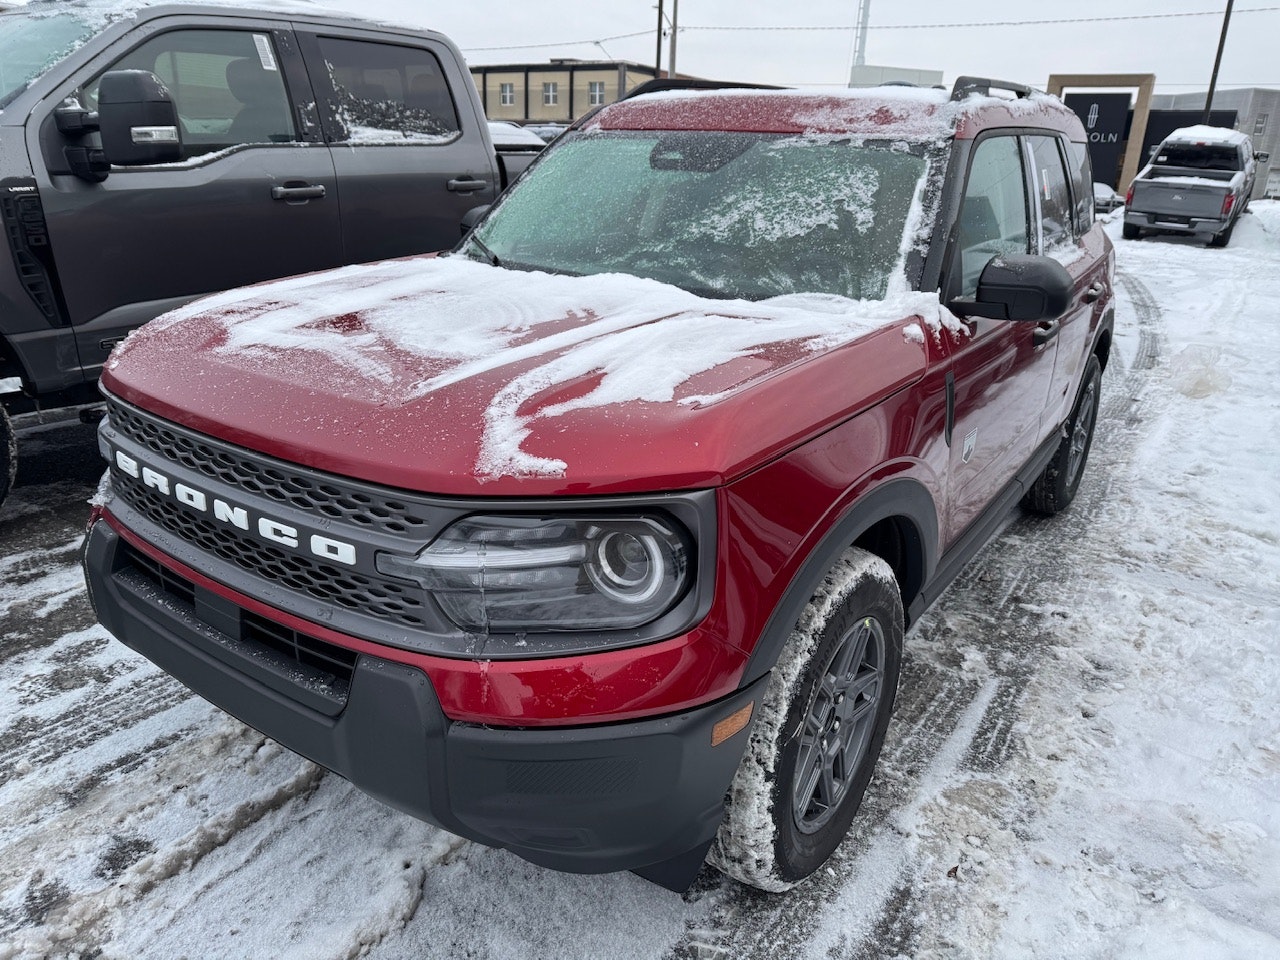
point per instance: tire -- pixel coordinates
(1056, 487)
(1223, 238)
(8, 454)
(1130, 232)
(818, 730)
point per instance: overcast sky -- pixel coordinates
(1179, 50)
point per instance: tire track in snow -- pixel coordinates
(980, 645)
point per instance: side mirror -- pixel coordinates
(472, 217)
(1262, 157)
(1018, 287)
(137, 119)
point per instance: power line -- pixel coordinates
(885, 26)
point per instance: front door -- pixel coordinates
(251, 199)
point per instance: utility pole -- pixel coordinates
(657, 57)
(1217, 62)
(860, 38)
(675, 26)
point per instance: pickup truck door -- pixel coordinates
(1001, 370)
(409, 145)
(252, 198)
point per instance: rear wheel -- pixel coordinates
(818, 731)
(1223, 238)
(8, 454)
(1130, 232)
(1057, 485)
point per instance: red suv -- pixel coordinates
(596, 540)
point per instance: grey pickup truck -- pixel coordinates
(150, 154)
(1198, 183)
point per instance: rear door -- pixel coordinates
(410, 150)
(253, 197)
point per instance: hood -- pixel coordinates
(447, 376)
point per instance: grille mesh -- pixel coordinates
(327, 496)
(384, 599)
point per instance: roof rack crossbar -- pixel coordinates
(984, 85)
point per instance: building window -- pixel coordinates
(595, 93)
(550, 94)
(507, 94)
(1260, 125)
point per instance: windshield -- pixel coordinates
(32, 43)
(718, 214)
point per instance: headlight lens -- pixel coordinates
(534, 574)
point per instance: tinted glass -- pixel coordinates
(1057, 213)
(721, 214)
(1209, 156)
(993, 216)
(387, 92)
(1081, 185)
(226, 85)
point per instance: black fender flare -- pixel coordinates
(903, 498)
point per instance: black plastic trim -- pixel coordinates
(27, 233)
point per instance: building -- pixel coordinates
(865, 75)
(1258, 110)
(560, 91)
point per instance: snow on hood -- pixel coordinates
(520, 351)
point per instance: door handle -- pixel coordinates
(1094, 292)
(462, 185)
(298, 191)
(1046, 333)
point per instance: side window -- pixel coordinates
(993, 215)
(1056, 210)
(226, 85)
(387, 92)
(1081, 185)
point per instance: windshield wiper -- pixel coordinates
(488, 254)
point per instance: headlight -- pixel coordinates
(536, 574)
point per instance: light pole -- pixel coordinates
(675, 27)
(1217, 62)
(657, 57)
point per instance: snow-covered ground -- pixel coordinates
(1085, 760)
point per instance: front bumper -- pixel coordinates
(643, 795)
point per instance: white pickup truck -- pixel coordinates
(1198, 182)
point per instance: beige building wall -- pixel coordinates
(541, 111)
(492, 95)
(581, 75)
(582, 80)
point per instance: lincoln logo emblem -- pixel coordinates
(1093, 116)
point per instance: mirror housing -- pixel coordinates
(472, 217)
(137, 119)
(1019, 287)
(1262, 156)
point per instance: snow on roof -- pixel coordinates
(100, 13)
(1202, 133)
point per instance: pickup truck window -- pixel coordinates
(1056, 212)
(388, 92)
(226, 85)
(31, 45)
(1207, 156)
(993, 217)
(719, 214)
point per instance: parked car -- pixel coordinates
(597, 539)
(1105, 199)
(1198, 183)
(152, 154)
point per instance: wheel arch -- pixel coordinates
(896, 521)
(1102, 339)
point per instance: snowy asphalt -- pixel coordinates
(1084, 762)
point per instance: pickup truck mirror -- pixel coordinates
(472, 217)
(1262, 156)
(137, 119)
(1018, 287)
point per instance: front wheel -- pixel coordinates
(8, 454)
(1056, 487)
(818, 731)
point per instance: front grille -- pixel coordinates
(326, 667)
(385, 599)
(323, 494)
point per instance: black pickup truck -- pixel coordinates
(150, 154)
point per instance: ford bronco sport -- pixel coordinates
(597, 539)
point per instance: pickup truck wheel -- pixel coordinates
(1130, 232)
(8, 454)
(1056, 487)
(818, 729)
(1223, 238)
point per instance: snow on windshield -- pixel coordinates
(409, 328)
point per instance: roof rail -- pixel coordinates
(660, 84)
(984, 85)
